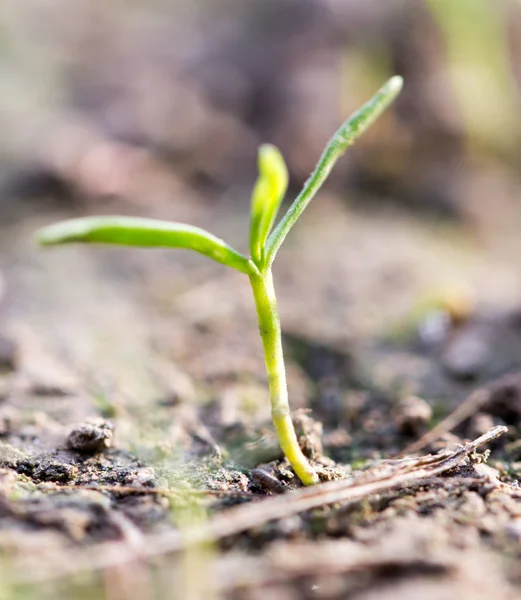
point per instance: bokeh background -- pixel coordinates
(158, 108)
(402, 279)
(103, 99)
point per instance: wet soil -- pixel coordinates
(133, 407)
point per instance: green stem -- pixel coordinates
(269, 326)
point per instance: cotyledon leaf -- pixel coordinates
(147, 233)
(268, 193)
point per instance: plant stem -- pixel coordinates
(269, 326)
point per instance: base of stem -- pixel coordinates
(290, 446)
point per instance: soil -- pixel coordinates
(133, 413)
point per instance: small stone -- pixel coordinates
(92, 436)
(267, 481)
(412, 414)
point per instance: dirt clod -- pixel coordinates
(91, 437)
(267, 481)
(53, 470)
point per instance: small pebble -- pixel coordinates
(267, 481)
(92, 436)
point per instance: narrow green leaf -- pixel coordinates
(149, 233)
(268, 193)
(352, 129)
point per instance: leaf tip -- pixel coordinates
(395, 85)
(44, 236)
(271, 161)
(61, 232)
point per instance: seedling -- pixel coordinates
(267, 196)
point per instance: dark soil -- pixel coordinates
(133, 407)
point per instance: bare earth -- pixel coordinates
(133, 413)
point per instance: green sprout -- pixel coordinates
(268, 193)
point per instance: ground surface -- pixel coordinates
(133, 405)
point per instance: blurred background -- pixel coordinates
(128, 99)
(399, 289)
(157, 108)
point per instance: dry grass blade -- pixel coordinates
(380, 479)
